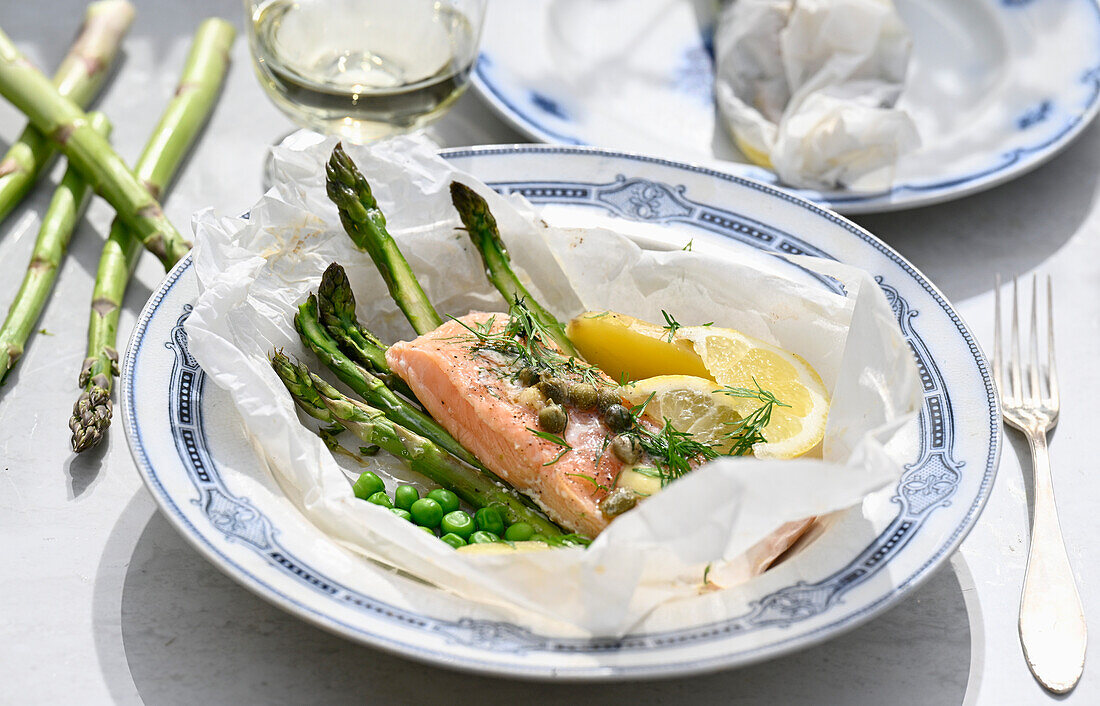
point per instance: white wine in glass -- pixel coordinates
(364, 69)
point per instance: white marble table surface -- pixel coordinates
(101, 601)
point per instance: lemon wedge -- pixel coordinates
(620, 344)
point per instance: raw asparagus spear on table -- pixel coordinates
(482, 228)
(66, 207)
(79, 78)
(336, 306)
(425, 457)
(180, 123)
(366, 225)
(67, 126)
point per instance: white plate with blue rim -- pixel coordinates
(182, 430)
(996, 87)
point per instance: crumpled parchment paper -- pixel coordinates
(808, 88)
(253, 274)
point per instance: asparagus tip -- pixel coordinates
(91, 418)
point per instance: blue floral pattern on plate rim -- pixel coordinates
(927, 483)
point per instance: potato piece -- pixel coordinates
(617, 343)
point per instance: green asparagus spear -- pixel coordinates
(310, 402)
(336, 305)
(68, 203)
(366, 225)
(373, 427)
(369, 386)
(180, 123)
(79, 78)
(482, 228)
(67, 126)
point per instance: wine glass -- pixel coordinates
(364, 69)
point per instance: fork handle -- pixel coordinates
(1052, 622)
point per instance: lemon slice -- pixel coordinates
(623, 345)
(691, 404)
(739, 361)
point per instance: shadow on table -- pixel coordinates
(189, 634)
(1009, 229)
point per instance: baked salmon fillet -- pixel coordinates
(473, 393)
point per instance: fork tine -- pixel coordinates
(1015, 383)
(1035, 393)
(998, 377)
(1052, 371)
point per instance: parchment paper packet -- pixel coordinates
(808, 88)
(254, 273)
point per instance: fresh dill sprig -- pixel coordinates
(749, 430)
(687, 247)
(530, 343)
(672, 325)
(590, 479)
(673, 452)
(550, 437)
(555, 439)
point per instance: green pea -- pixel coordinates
(367, 485)
(380, 498)
(519, 532)
(488, 519)
(454, 540)
(446, 499)
(402, 513)
(429, 530)
(426, 512)
(481, 537)
(458, 522)
(405, 496)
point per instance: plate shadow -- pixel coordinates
(191, 634)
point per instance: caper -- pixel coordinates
(618, 501)
(606, 397)
(618, 418)
(553, 387)
(528, 376)
(552, 418)
(583, 395)
(531, 397)
(627, 448)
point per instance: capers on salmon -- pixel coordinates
(607, 396)
(583, 395)
(527, 376)
(618, 501)
(627, 448)
(552, 418)
(618, 418)
(553, 387)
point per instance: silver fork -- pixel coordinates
(1052, 623)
